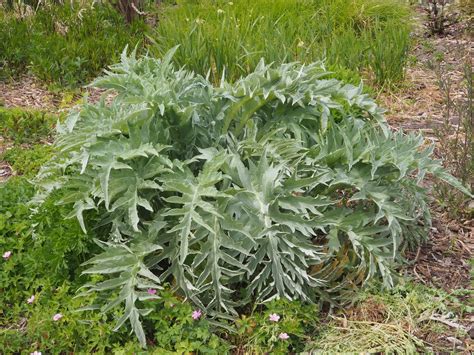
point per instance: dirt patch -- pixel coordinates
(5, 171)
(444, 261)
(419, 105)
(27, 92)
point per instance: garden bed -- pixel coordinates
(427, 310)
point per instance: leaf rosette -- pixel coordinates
(286, 183)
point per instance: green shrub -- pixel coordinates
(66, 45)
(352, 35)
(282, 185)
(26, 126)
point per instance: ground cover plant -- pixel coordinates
(26, 126)
(38, 269)
(27, 161)
(229, 38)
(284, 184)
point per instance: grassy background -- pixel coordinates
(353, 36)
(65, 45)
(70, 45)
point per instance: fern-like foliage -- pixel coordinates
(283, 184)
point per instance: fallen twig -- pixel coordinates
(448, 323)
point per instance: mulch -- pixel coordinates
(26, 91)
(444, 260)
(419, 106)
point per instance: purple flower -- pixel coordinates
(274, 317)
(7, 255)
(57, 317)
(151, 291)
(283, 336)
(31, 299)
(196, 314)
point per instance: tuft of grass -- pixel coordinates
(390, 55)
(26, 126)
(229, 38)
(27, 161)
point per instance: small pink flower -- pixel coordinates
(274, 317)
(36, 353)
(7, 255)
(151, 291)
(57, 316)
(283, 336)
(196, 314)
(31, 299)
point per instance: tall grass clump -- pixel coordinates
(354, 36)
(66, 45)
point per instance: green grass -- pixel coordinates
(69, 46)
(63, 45)
(229, 38)
(27, 161)
(26, 126)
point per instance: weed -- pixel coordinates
(456, 140)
